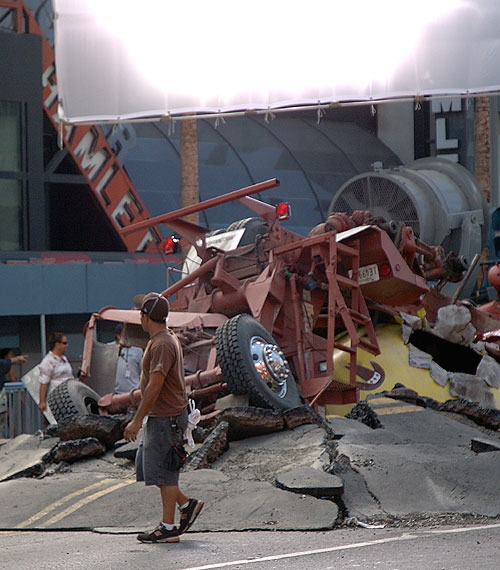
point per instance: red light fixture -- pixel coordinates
(385, 270)
(283, 211)
(171, 246)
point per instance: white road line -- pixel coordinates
(406, 536)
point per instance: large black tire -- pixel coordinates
(253, 228)
(252, 363)
(72, 398)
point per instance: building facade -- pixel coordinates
(65, 194)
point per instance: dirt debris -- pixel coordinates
(425, 520)
(484, 417)
(364, 413)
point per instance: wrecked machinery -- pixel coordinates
(262, 311)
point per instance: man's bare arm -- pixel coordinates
(148, 398)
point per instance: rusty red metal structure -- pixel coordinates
(266, 315)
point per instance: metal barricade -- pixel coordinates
(22, 415)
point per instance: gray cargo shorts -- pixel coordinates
(151, 459)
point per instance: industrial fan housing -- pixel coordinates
(439, 199)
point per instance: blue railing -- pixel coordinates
(22, 414)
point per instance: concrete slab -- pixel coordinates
(250, 505)
(262, 458)
(238, 496)
(23, 453)
(311, 482)
(479, 445)
(420, 463)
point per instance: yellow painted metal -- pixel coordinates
(394, 360)
(337, 410)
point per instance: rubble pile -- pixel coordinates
(486, 417)
(362, 412)
(452, 350)
(85, 436)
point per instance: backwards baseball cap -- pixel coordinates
(154, 305)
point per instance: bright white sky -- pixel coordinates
(122, 59)
(226, 46)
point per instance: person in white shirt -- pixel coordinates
(54, 368)
(128, 366)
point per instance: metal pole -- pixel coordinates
(465, 279)
(188, 210)
(43, 336)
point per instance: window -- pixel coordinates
(10, 136)
(11, 176)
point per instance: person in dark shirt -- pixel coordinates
(7, 359)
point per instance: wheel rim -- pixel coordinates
(270, 364)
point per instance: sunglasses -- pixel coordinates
(65, 342)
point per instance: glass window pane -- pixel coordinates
(7, 18)
(10, 136)
(10, 215)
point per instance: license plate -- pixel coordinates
(367, 274)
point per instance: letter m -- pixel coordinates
(446, 105)
(91, 161)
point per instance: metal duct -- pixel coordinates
(439, 199)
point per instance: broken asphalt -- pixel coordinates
(422, 463)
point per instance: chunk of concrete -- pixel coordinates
(24, 455)
(211, 449)
(308, 481)
(77, 449)
(232, 401)
(107, 429)
(127, 451)
(471, 388)
(236, 504)
(418, 358)
(261, 458)
(483, 446)
(454, 324)
(489, 369)
(439, 374)
(251, 422)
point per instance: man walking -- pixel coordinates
(164, 403)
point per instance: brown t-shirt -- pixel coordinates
(164, 354)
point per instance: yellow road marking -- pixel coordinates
(57, 504)
(398, 410)
(384, 406)
(384, 401)
(85, 501)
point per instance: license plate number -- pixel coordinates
(367, 274)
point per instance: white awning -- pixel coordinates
(119, 60)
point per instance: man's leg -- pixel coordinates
(189, 509)
(182, 499)
(169, 494)
(166, 532)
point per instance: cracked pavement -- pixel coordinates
(419, 465)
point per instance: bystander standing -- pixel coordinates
(128, 366)
(7, 359)
(54, 368)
